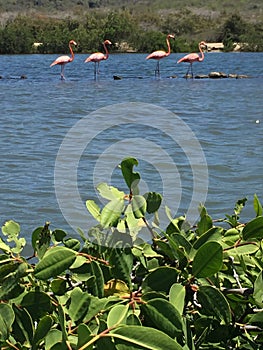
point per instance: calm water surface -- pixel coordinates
(37, 113)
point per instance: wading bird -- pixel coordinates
(99, 56)
(158, 55)
(193, 57)
(63, 60)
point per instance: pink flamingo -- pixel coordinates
(158, 55)
(99, 56)
(193, 57)
(63, 60)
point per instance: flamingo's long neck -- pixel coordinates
(201, 58)
(106, 51)
(169, 46)
(72, 52)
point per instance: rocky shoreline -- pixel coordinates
(211, 75)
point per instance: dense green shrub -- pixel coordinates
(184, 288)
(144, 32)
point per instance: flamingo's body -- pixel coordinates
(99, 56)
(63, 60)
(193, 57)
(158, 55)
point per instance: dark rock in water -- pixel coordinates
(201, 76)
(117, 77)
(237, 76)
(173, 76)
(241, 76)
(233, 76)
(1, 77)
(214, 75)
(188, 76)
(217, 75)
(223, 75)
(23, 76)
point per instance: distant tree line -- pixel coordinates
(139, 32)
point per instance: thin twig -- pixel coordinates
(235, 274)
(149, 227)
(240, 291)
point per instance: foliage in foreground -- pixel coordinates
(188, 288)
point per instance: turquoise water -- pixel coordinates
(172, 125)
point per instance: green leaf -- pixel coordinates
(133, 320)
(176, 225)
(148, 252)
(179, 244)
(104, 343)
(94, 209)
(23, 328)
(109, 192)
(62, 323)
(61, 345)
(239, 206)
(160, 280)
(112, 212)
(117, 315)
(177, 297)
(7, 268)
(41, 238)
(202, 210)
(12, 230)
(121, 261)
(258, 288)
(213, 234)
(177, 240)
(244, 248)
(257, 206)
(59, 235)
(161, 314)
(53, 337)
(10, 288)
(4, 247)
(144, 338)
(79, 304)
(72, 243)
(204, 224)
(59, 286)
(7, 317)
(153, 200)
(96, 306)
(130, 224)
(54, 262)
(253, 229)
(131, 178)
(208, 260)
(188, 334)
(84, 336)
(97, 287)
(165, 248)
(116, 287)
(214, 304)
(138, 206)
(80, 262)
(37, 303)
(84, 306)
(257, 319)
(22, 270)
(231, 236)
(42, 330)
